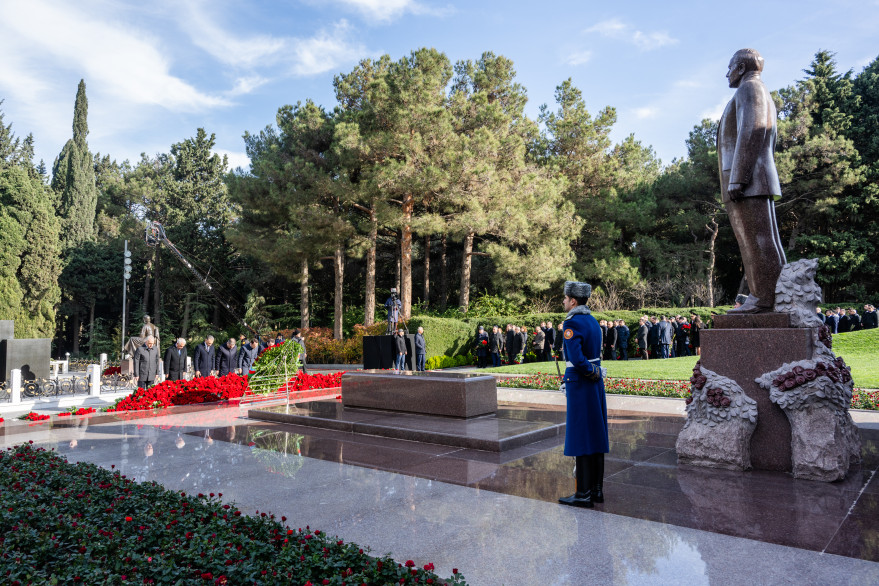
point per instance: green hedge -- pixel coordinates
(444, 336)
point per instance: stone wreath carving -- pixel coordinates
(720, 421)
(797, 294)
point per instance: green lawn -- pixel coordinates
(859, 349)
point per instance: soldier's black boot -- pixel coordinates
(583, 496)
(597, 477)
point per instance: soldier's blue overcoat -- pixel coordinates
(586, 422)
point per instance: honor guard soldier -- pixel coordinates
(586, 421)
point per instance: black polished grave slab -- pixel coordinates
(29, 356)
(508, 429)
(453, 394)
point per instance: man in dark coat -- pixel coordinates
(666, 333)
(870, 319)
(225, 361)
(682, 338)
(523, 342)
(821, 315)
(610, 342)
(854, 320)
(623, 339)
(653, 337)
(146, 363)
(559, 344)
(420, 350)
(844, 324)
(496, 345)
(832, 321)
(205, 358)
(643, 336)
(247, 356)
(586, 429)
(548, 341)
(175, 360)
(510, 344)
(481, 348)
(400, 351)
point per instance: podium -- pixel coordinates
(379, 353)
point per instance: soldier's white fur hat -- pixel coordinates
(577, 289)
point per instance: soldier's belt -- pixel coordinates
(569, 364)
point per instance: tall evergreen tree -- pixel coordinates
(73, 178)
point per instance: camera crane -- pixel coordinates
(155, 235)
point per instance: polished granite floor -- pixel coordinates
(494, 514)
(642, 479)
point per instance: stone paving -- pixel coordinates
(494, 516)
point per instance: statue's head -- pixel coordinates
(146, 319)
(743, 61)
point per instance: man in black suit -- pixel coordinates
(610, 342)
(226, 358)
(820, 315)
(247, 356)
(844, 321)
(205, 358)
(559, 344)
(510, 344)
(400, 351)
(653, 337)
(623, 339)
(175, 360)
(854, 320)
(496, 345)
(481, 348)
(548, 341)
(870, 319)
(643, 334)
(523, 342)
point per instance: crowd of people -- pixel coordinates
(235, 356)
(654, 337)
(841, 320)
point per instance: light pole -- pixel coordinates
(126, 274)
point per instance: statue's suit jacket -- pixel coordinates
(746, 141)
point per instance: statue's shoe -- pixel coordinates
(751, 306)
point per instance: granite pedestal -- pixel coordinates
(31, 356)
(428, 393)
(742, 347)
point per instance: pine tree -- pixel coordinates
(73, 178)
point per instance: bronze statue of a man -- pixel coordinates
(749, 180)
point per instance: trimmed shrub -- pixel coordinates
(436, 362)
(445, 336)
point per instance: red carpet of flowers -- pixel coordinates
(206, 389)
(210, 389)
(34, 417)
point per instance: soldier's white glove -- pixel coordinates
(563, 390)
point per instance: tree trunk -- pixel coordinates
(426, 297)
(396, 284)
(466, 263)
(339, 269)
(305, 317)
(444, 276)
(406, 258)
(369, 306)
(713, 229)
(187, 307)
(75, 331)
(92, 330)
(157, 292)
(146, 286)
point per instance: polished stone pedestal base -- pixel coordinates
(427, 393)
(509, 429)
(31, 356)
(745, 354)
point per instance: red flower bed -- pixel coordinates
(304, 382)
(206, 389)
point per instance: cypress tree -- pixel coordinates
(73, 178)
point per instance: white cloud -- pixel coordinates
(325, 51)
(579, 58)
(222, 45)
(125, 62)
(235, 159)
(246, 85)
(646, 112)
(385, 11)
(616, 29)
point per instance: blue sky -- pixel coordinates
(156, 71)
